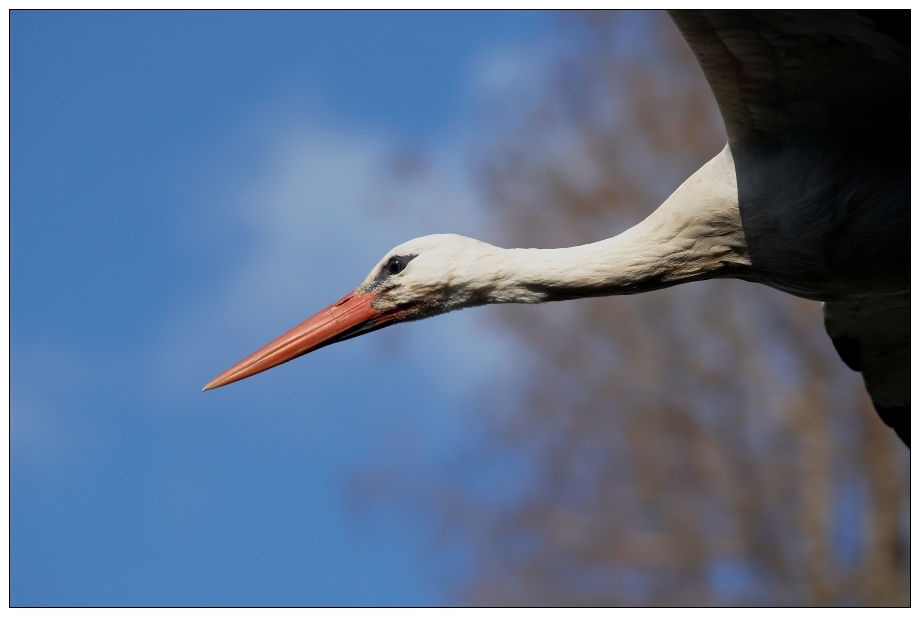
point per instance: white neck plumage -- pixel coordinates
(695, 234)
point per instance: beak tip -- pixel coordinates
(325, 327)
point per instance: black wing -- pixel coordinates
(873, 336)
(791, 76)
(825, 82)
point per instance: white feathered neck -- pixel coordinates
(695, 234)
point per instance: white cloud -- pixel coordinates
(326, 206)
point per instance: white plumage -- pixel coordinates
(810, 196)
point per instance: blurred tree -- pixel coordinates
(698, 445)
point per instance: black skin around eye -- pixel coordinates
(394, 265)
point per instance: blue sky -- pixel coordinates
(185, 187)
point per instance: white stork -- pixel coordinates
(810, 196)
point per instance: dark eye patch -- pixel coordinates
(394, 265)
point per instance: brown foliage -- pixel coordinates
(689, 446)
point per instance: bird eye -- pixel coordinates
(395, 265)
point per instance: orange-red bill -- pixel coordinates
(334, 323)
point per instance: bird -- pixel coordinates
(809, 196)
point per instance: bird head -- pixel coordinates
(421, 278)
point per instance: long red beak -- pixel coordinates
(352, 315)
